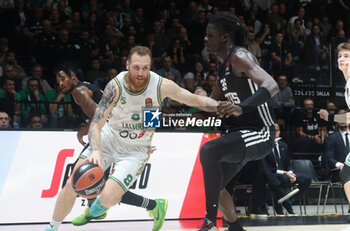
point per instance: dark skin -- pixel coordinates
(243, 64)
(81, 95)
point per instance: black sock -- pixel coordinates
(137, 200)
(90, 201)
(235, 226)
(213, 175)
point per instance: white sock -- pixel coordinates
(55, 224)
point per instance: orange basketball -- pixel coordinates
(88, 180)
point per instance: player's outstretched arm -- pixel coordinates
(104, 108)
(173, 91)
(341, 118)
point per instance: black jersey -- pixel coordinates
(236, 90)
(96, 97)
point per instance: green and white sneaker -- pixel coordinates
(86, 217)
(158, 213)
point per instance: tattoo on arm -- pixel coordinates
(101, 114)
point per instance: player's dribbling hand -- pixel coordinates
(226, 108)
(95, 157)
(323, 114)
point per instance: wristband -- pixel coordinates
(262, 95)
(331, 117)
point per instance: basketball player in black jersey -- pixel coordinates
(85, 99)
(244, 89)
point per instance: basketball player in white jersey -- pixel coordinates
(343, 65)
(116, 134)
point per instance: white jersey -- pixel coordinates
(347, 99)
(347, 93)
(126, 116)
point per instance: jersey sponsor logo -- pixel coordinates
(135, 116)
(132, 126)
(151, 118)
(123, 100)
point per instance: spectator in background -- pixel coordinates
(17, 19)
(35, 120)
(84, 45)
(111, 53)
(64, 49)
(160, 46)
(9, 101)
(176, 52)
(76, 25)
(311, 130)
(252, 45)
(280, 176)
(37, 73)
(4, 120)
(283, 101)
(60, 114)
(213, 68)
(264, 39)
(297, 37)
(90, 7)
(337, 148)
(18, 70)
(102, 81)
(331, 126)
(253, 17)
(273, 16)
(44, 44)
(32, 96)
(196, 32)
(325, 25)
(9, 73)
(168, 69)
(333, 32)
(3, 49)
(210, 83)
(194, 78)
(94, 72)
(300, 15)
(56, 20)
(282, 59)
(316, 51)
(175, 29)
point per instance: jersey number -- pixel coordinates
(128, 180)
(233, 97)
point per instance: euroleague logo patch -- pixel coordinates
(148, 102)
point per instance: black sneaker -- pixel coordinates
(288, 207)
(279, 209)
(259, 212)
(207, 226)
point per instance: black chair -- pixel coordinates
(306, 167)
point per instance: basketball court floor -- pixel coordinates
(324, 222)
(189, 225)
